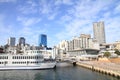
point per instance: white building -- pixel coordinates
(12, 50)
(99, 32)
(83, 42)
(93, 44)
(63, 45)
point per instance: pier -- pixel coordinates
(102, 68)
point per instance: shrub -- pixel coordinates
(107, 54)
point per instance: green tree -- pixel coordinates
(117, 52)
(107, 54)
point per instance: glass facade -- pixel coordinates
(21, 41)
(11, 41)
(43, 40)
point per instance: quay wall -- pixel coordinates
(98, 69)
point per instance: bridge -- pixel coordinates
(69, 60)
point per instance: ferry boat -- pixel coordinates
(32, 59)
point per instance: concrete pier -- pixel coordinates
(99, 69)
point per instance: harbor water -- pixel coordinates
(68, 72)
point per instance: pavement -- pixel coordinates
(113, 65)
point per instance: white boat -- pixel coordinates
(33, 60)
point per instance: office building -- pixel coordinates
(43, 40)
(81, 42)
(11, 41)
(99, 32)
(21, 41)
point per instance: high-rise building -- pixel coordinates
(43, 40)
(22, 41)
(11, 41)
(99, 32)
(81, 42)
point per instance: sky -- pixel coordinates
(58, 19)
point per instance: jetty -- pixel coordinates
(105, 67)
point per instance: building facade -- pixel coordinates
(99, 32)
(11, 41)
(42, 40)
(22, 41)
(63, 45)
(81, 42)
(117, 43)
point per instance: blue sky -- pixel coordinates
(59, 19)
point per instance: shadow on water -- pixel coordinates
(59, 73)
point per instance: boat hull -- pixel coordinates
(29, 67)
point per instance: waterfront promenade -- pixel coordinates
(111, 67)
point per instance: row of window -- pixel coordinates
(22, 57)
(3, 57)
(36, 52)
(4, 62)
(27, 57)
(24, 62)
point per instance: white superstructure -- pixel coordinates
(32, 60)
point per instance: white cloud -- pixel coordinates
(117, 9)
(75, 27)
(29, 7)
(5, 30)
(48, 9)
(112, 29)
(107, 14)
(65, 18)
(7, 1)
(45, 8)
(28, 21)
(51, 17)
(3, 27)
(66, 2)
(89, 9)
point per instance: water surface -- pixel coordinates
(60, 73)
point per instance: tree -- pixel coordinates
(117, 52)
(107, 54)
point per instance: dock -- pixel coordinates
(100, 69)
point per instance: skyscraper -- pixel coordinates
(22, 41)
(99, 32)
(43, 40)
(11, 41)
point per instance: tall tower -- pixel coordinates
(99, 32)
(22, 41)
(11, 41)
(43, 40)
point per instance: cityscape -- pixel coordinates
(57, 39)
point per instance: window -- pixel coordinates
(25, 57)
(7, 57)
(29, 57)
(13, 57)
(16, 57)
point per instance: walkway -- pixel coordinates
(105, 65)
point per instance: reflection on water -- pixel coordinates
(60, 73)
